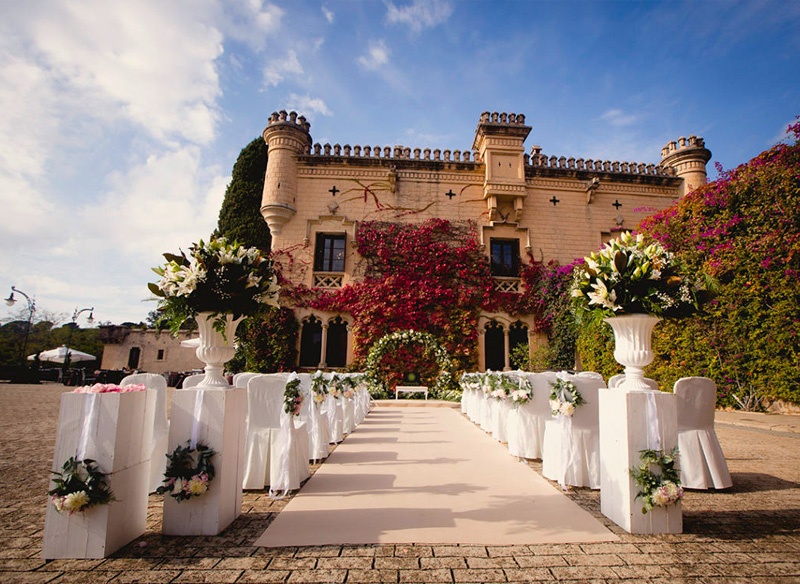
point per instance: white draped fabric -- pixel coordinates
(333, 407)
(192, 380)
(276, 443)
(571, 448)
(241, 379)
(526, 422)
(702, 461)
(158, 454)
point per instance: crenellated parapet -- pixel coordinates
(391, 152)
(688, 158)
(538, 160)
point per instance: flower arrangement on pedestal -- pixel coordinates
(79, 486)
(189, 472)
(632, 276)
(657, 478)
(218, 277)
(564, 398)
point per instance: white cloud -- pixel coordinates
(307, 105)
(249, 21)
(420, 14)
(329, 15)
(617, 117)
(377, 56)
(278, 69)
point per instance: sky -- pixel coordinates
(120, 121)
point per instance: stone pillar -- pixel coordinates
(323, 353)
(506, 355)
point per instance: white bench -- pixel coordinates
(410, 389)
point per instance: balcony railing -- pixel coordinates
(328, 279)
(507, 284)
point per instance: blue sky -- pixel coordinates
(121, 120)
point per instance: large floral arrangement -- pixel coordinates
(631, 275)
(564, 398)
(523, 393)
(217, 277)
(79, 486)
(657, 478)
(319, 390)
(189, 472)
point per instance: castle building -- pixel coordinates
(556, 208)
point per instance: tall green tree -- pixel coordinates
(240, 215)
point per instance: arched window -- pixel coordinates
(311, 343)
(336, 351)
(494, 347)
(517, 335)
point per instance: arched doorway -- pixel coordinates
(311, 342)
(494, 347)
(336, 348)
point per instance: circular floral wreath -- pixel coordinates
(78, 486)
(661, 488)
(184, 477)
(564, 398)
(394, 341)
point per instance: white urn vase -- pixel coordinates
(632, 347)
(215, 348)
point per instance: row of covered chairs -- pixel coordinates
(280, 444)
(570, 448)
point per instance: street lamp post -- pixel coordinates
(10, 301)
(75, 315)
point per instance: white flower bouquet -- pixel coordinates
(564, 398)
(630, 275)
(217, 277)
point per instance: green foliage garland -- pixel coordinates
(292, 396)
(184, 477)
(79, 486)
(564, 398)
(658, 480)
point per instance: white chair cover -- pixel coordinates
(348, 414)
(500, 409)
(333, 408)
(526, 423)
(590, 374)
(571, 449)
(702, 461)
(158, 453)
(241, 379)
(192, 380)
(262, 434)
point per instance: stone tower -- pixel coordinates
(499, 142)
(287, 137)
(688, 157)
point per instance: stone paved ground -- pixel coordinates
(750, 533)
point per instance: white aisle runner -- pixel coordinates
(427, 475)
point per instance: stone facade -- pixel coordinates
(558, 208)
(147, 350)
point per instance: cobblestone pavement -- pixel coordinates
(749, 533)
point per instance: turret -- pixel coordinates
(499, 142)
(287, 137)
(688, 157)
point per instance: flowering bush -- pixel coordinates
(217, 277)
(292, 396)
(79, 486)
(184, 477)
(657, 478)
(631, 275)
(564, 398)
(109, 388)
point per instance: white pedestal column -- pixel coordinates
(221, 427)
(120, 440)
(624, 432)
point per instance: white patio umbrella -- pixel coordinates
(58, 355)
